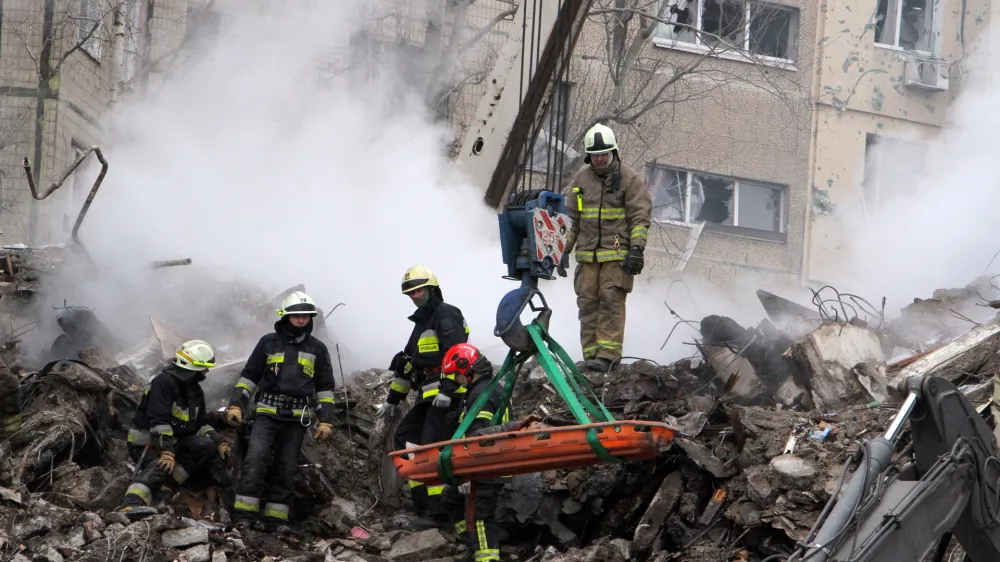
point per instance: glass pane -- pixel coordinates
(771, 32)
(884, 32)
(682, 14)
(666, 189)
(722, 19)
(718, 204)
(760, 207)
(915, 25)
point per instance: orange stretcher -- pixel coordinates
(533, 450)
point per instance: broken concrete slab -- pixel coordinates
(794, 472)
(198, 553)
(827, 355)
(184, 537)
(419, 546)
(663, 504)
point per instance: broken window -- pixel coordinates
(88, 27)
(893, 168)
(686, 197)
(906, 24)
(762, 29)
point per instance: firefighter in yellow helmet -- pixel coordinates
(171, 438)
(287, 373)
(610, 207)
(437, 326)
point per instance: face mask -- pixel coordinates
(423, 299)
(295, 330)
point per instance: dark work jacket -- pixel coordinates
(485, 416)
(172, 408)
(437, 326)
(284, 364)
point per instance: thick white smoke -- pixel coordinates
(246, 164)
(944, 231)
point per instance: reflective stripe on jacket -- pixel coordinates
(609, 214)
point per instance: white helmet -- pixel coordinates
(195, 355)
(599, 140)
(297, 303)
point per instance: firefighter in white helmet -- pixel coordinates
(611, 208)
(171, 438)
(437, 326)
(287, 374)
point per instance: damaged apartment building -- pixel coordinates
(762, 127)
(63, 66)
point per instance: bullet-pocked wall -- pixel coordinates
(880, 95)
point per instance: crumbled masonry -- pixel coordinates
(765, 418)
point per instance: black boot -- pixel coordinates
(599, 364)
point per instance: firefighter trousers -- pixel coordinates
(601, 290)
(269, 469)
(425, 424)
(483, 541)
(191, 454)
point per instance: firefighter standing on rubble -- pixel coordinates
(610, 207)
(10, 403)
(437, 326)
(171, 438)
(288, 370)
(473, 371)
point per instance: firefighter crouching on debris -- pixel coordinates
(474, 372)
(610, 208)
(287, 369)
(10, 403)
(171, 438)
(437, 327)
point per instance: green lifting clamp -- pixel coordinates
(569, 383)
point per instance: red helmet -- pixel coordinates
(460, 359)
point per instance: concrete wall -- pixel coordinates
(861, 92)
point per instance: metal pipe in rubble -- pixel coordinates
(63, 177)
(171, 263)
(878, 457)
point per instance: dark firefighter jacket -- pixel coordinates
(437, 326)
(610, 213)
(173, 407)
(287, 372)
(485, 416)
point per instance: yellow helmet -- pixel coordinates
(418, 276)
(600, 139)
(195, 355)
(297, 303)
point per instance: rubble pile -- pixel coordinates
(765, 417)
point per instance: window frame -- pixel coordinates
(90, 12)
(735, 229)
(897, 17)
(547, 140)
(699, 47)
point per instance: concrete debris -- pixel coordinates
(731, 489)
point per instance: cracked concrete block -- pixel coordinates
(48, 554)
(198, 553)
(828, 354)
(419, 546)
(184, 537)
(219, 556)
(793, 472)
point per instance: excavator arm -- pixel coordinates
(950, 487)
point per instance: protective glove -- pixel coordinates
(634, 261)
(442, 400)
(387, 410)
(323, 432)
(224, 451)
(9, 425)
(464, 488)
(398, 363)
(563, 263)
(166, 462)
(234, 416)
